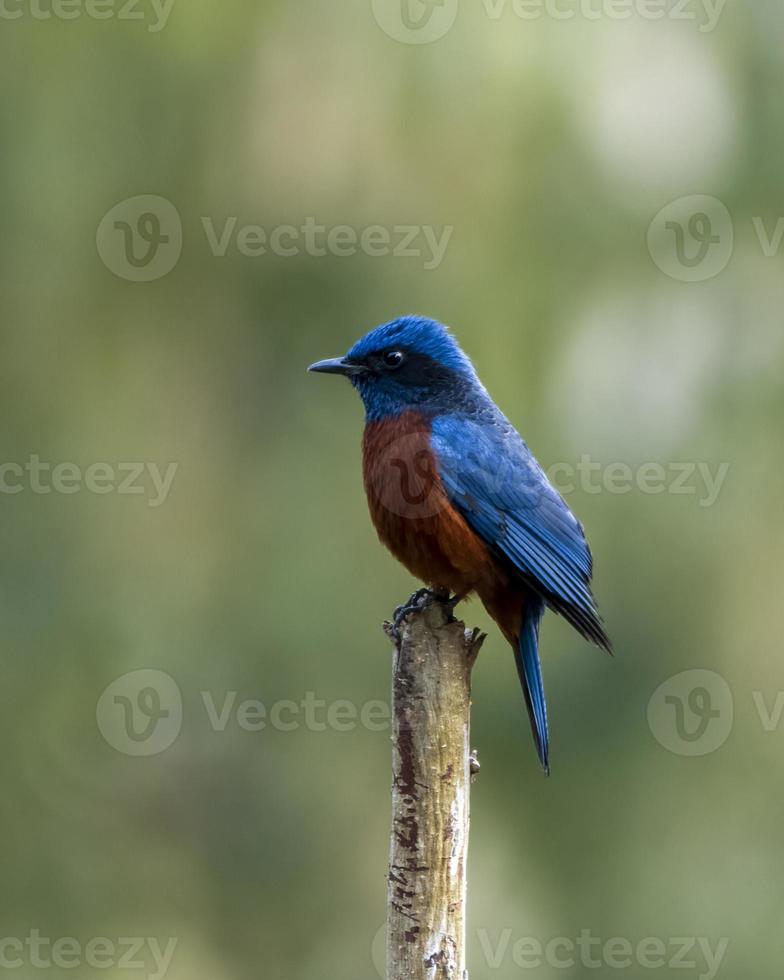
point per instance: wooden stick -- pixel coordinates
(432, 770)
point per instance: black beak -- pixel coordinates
(337, 365)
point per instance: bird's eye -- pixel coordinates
(393, 358)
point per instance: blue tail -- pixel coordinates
(530, 671)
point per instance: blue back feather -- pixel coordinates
(494, 481)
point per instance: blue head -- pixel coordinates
(410, 363)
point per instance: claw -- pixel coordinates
(418, 601)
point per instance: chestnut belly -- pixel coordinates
(412, 513)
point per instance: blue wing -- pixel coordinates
(494, 481)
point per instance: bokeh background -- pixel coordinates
(549, 147)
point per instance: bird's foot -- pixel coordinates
(473, 764)
(451, 601)
(418, 601)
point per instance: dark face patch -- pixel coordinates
(416, 377)
(396, 379)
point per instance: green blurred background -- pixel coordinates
(548, 146)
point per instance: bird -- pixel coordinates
(457, 496)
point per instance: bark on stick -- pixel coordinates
(432, 768)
